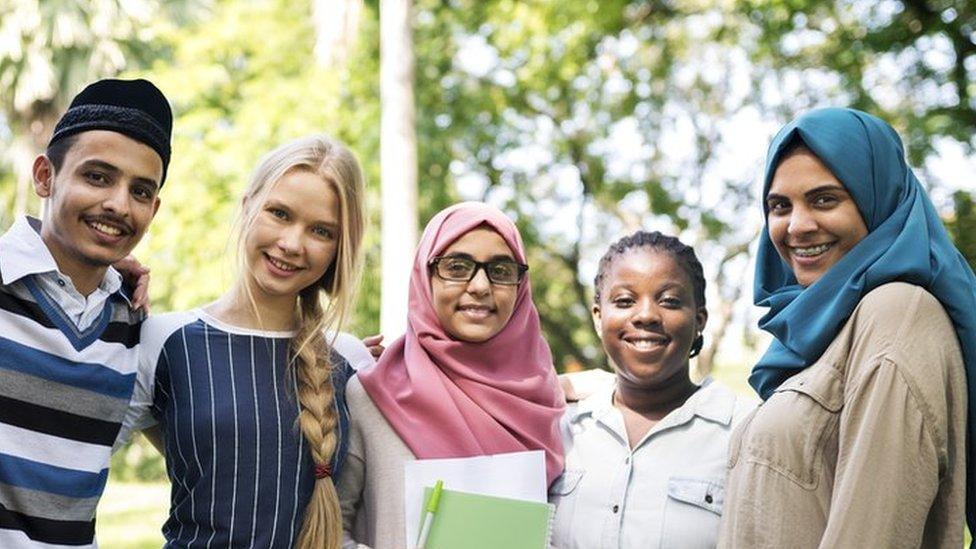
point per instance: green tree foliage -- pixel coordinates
(558, 83)
(243, 79)
(48, 51)
(584, 120)
(911, 61)
(963, 226)
(534, 98)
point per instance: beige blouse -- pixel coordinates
(866, 447)
(371, 497)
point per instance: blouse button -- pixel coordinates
(616, 508)
(61, 282)
(708, 498)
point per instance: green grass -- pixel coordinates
(130, 515)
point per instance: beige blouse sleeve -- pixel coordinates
(901, 409)
(352, 478)
(887, 466)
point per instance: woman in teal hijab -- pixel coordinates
(861, 440)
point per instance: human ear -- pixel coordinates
(43, 174)
(701, 318)
(597, 321)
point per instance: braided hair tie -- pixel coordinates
(322, 470)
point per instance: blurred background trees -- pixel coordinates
(51, 49)
(582, 119)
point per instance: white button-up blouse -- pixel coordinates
(666, 492)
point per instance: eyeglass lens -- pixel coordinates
(464, 269)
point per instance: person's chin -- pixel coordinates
(806, 277)
(473, 334)
(105, 252)
(650, 377)
(101, 258)
(278, 288)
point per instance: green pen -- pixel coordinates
(430, 509)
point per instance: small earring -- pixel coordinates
(696, 345)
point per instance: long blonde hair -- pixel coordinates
(310, 364)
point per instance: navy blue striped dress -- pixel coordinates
(240, 468)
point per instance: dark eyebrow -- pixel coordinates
(811, 192)
(101, 165)
(676, 285)
(823, 188)
(462, 255)
(114, 170)
(667, 285)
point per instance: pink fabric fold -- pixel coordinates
(450, 398)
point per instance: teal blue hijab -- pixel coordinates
(906, 242)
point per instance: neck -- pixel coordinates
(264, 313)
(84, 276)
(654, 402)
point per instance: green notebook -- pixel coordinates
(474, 521)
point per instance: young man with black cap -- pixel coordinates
(68, 332)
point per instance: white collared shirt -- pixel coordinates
(666, 492)
(23, 253)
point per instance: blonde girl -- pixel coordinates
(249, 391)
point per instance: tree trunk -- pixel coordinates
(398, 162)
(336, 30)
(722, 312)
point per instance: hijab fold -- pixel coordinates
(450, 398)
(906, 242)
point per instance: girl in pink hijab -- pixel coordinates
(472, 376)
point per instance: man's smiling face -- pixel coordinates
(101, 200)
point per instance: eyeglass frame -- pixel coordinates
(478, 266)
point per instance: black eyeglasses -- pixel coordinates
(463, 269)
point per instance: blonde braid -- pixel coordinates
(318, 420)
(311, 366)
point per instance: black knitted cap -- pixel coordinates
(135, 108)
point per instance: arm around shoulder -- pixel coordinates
(153, 334)
(352, 349)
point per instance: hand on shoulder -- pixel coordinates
(352, 349)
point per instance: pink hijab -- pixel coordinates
(451, 398)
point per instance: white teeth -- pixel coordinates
(282, 266)
(811, 251)
(107, 229)
(644, 344)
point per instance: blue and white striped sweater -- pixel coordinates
(63, 395)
